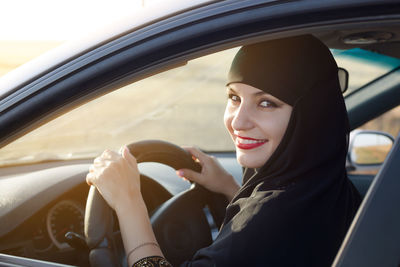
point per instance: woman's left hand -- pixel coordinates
(116, 176)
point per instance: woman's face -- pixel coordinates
(256, 122)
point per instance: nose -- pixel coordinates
(242, 119)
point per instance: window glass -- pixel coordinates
(184, 105)
(388, 123)
(363, 66)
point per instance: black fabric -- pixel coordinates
(296, 209)
(283, 68)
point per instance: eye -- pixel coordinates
(267, 104)
(233, 97)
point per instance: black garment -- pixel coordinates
(296, 209)
(284, 68)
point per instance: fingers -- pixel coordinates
(195, 152)
(110, 155)
(189, 175)
(126, 154)
(89, 178)
(94, 171)
(100, 164)
(198, 154)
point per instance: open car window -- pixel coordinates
(184, 105)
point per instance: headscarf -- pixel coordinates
(296, 208)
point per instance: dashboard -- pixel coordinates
(42, 235)
(39, 204)
(42, 202)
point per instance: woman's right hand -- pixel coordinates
(212, 176)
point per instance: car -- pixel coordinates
(159, 75)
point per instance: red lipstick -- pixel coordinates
(248, 142)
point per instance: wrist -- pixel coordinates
(131, 204)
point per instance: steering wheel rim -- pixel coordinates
(179, 236)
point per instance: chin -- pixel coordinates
(248, 161)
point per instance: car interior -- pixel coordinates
(42, 179)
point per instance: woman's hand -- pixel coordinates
(212, 176)
(116, 176)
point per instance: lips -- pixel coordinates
(248, 143)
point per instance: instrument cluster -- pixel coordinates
(64, 216)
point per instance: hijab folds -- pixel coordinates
(296, 208)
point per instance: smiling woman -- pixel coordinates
(103, 92)
(247, 108)
(287, 188)
(76, 135)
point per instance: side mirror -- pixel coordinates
(343, 75)
(368, 149)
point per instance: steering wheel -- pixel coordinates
(180, 225)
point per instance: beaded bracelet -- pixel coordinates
(141, 245)
(152, 261)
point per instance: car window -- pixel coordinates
(370, 153)
(387, 123)
(184, 105)
(363, 66)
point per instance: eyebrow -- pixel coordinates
(260, 93)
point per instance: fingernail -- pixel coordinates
(179, 173)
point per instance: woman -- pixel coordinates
(287, 117)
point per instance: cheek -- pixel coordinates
(275, 126)
(228, 119)
(280, 129)
(281, 124)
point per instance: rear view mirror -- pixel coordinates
(369, 148)
(343, 75)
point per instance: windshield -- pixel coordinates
(183, 105)
(363, 66)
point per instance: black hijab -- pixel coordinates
(294, 210)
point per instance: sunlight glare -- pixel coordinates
(58, 19)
